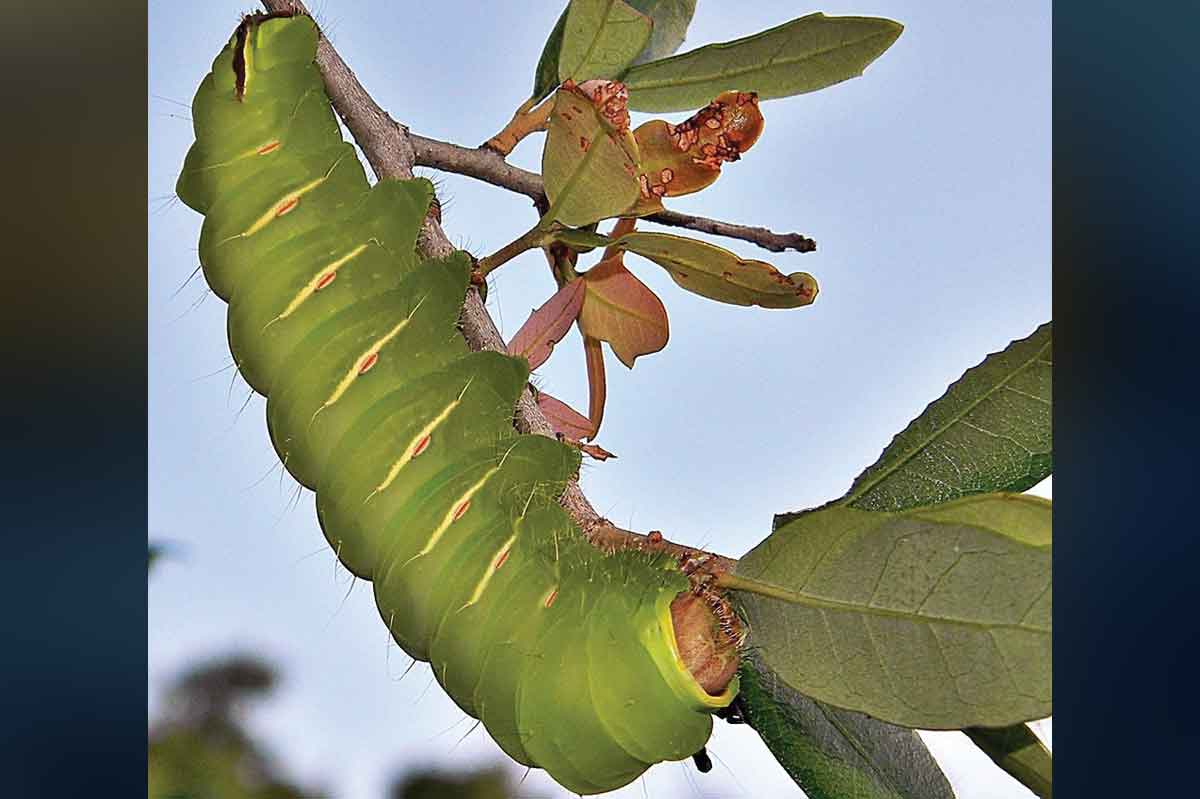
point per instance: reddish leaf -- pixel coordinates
(621, 310)
(563, 418)
(597, 387)
(682, 159)
(596, 452)
(546, 326)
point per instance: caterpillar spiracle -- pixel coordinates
(568, 655)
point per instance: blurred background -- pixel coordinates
(926, 184)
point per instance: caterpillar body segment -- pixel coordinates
(566, 654)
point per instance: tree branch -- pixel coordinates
(484, 163)
(389, 149)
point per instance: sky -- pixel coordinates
(926, 184)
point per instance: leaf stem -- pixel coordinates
(525, 121)
(526, 241)
(623, 226)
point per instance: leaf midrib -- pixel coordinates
(661, 83)
(937, 432)
(795, 597)
(622, 310)
(855, 744)
(556, 208)
(587, 56)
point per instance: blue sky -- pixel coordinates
(926, 184)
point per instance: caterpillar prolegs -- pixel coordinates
(566, 654)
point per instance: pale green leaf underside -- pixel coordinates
(601, 39)
(800, 56)
(1019, 752)
(833, 753)
(921, 618)
(990, 431)
(718, 274)
(588, 168)
(671, 19)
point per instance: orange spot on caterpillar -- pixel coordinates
(461, 510)
(268, 148)
(368, 362)
(500, 560)
(287, 205)
(553, 596)
(422, 445)
(325, 280)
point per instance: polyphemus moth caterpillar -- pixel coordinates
(568, 655)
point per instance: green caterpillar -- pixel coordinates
(566, 654)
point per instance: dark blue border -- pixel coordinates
(1127, 554)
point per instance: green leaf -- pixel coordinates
(833, 753)
(601, 39)
(800, 56)
(589, 165)
(932, 618)
(718, 274)
(990, 431)
(671, 19)
(1019, 752)
(545, 76)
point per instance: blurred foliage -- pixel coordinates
(493, 783)
(199, 748)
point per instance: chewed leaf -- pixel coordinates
(546, 326)
(596, 452)
(803, 55)
(621, 310)
(601, 38)
(589, 163)
(563, 418)
(685, 158)
(719, 274)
